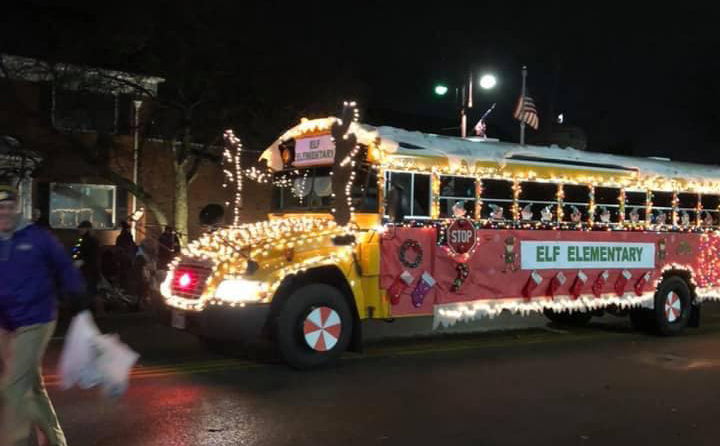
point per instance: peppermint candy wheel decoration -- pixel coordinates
(322, 328)
(673, 307)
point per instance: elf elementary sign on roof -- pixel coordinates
(586, 255)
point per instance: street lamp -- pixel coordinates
(487, 82)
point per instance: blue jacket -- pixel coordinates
(34, 268)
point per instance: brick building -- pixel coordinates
(61, 124)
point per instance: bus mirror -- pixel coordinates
(211, 215)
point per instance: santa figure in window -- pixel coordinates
(527, 213)
(496, 212)
(546, 214)
(604, 215)
(634, 215)
(459, 210)
(575, 215)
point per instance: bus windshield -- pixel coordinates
(310, 190)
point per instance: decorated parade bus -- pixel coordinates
(381, 223)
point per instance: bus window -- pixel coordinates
(455, 190)
(497, 199)
(576, 200)
(414, 191)
(687, 209)
(607, 201)
(635, 206)
(538, 201)
(364, 191)
(662, 202)
(302, 190)
(711, 212)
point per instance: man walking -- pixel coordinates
(32, 265)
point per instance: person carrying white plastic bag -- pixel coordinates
(89, 358)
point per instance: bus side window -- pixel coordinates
(635, 206)
(662, 203)
(455, 190)
(607, 204)
(497, 199)
(413, 192)
(538, 201)
(687, 209)
(711, 210)
(576, 200)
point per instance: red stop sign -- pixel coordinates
(461, 236)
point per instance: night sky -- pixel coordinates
(641, 82)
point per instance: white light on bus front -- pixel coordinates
(240, 290)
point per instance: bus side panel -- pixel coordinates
(634, 262)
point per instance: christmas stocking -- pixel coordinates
(421, 289)
(640, 284)
(533, 282)
(396, 289)
(621, 282)
(578, 285)
(556, 283)
(599, 283)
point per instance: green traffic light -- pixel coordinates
(440, 90)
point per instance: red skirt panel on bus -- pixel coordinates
(529, 264)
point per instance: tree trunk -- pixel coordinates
(181, 203)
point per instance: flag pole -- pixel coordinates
(522, 107)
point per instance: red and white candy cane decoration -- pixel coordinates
(673, 307)
(322, 329)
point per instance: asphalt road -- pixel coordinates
(600, 385)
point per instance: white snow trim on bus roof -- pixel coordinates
(459, 151)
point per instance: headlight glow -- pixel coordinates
(240, 290)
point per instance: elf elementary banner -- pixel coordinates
(575, 255)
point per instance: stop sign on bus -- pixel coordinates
(461, 236)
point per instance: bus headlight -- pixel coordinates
(240, 291)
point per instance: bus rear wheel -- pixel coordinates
(314, 326)
(672, 306)
(574, 319)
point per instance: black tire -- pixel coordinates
(574, 319)
(668, 322)
(289, 331)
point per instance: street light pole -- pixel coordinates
(467, 104)
(136, 159)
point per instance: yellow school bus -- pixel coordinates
(454, 228)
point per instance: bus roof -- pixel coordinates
(404, 147)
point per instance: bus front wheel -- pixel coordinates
(672, 306)
(314, 326)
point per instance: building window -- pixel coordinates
(71, 204)
(455, 190)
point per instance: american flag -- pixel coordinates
(528, 113)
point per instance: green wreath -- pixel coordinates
(415, 246)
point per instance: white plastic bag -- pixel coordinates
(114, 361)
(77, 360)
(89, 358)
